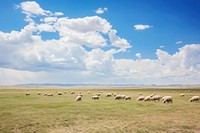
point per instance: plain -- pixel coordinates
(61, 113)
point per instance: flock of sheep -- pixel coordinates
(152, 97)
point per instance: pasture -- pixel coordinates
(62, 114)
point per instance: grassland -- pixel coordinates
(61, 114)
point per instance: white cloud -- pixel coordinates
(50, 20)
(117, 41)
(139, 56)
(79, 55)
(32, 8)
(179, 42)
(100, 61)
(142, 27)
(101, 10)
(162, 46)
(58, 14)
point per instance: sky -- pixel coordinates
(100, 42)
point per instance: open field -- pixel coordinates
(62, 114)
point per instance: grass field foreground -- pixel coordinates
(61, 113)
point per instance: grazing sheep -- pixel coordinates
(140, 98)
(182, 95)
(98, 94)
(147, 98)
(140, 93)
(123, 96)
(95, 97)
(127, 98)
(118, 97)
(27, 94)
(80, 94)
(39, 93)
(114, 94)
(45, 94)
(72, 92)
(78, 98)
(167, 99)
(59, 93)
(194, 99)
(109, 95)
(51, 94)
(156, 98)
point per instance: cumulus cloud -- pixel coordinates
(101, 10)
(116, 41)
(85, 52)
(142, 27)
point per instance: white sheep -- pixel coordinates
(194, 99)
(27, 94)
(59, 93)
(140, 93)
(98, 94)
(123, 96)
(167, 99)
(95, 97)
(109, 95)
(39, 93)
(72, 92)
(118, 97)
(140, 98)
(80, 94)
(51, 94)
(156, 98)
(182, 95)
(78, 98)
(147, 98)
(127, 98)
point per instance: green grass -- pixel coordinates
(58, 114)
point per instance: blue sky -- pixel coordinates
(126, 36)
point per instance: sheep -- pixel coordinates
(27, 94)
(59, 93)
(95, 97)
(39, 93)
(118, 97)
(167, 99)
(98, 94)
(51, 94)
(114, 94)
(140, 98)
(78, 98)
(156, 98)
(194, 99)
(72, 92)
(80, 94)
(182, 95)
(45, 94)
(147, 98)
(109, 95)
(140, 93)
(127, 98)
(123, 96)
